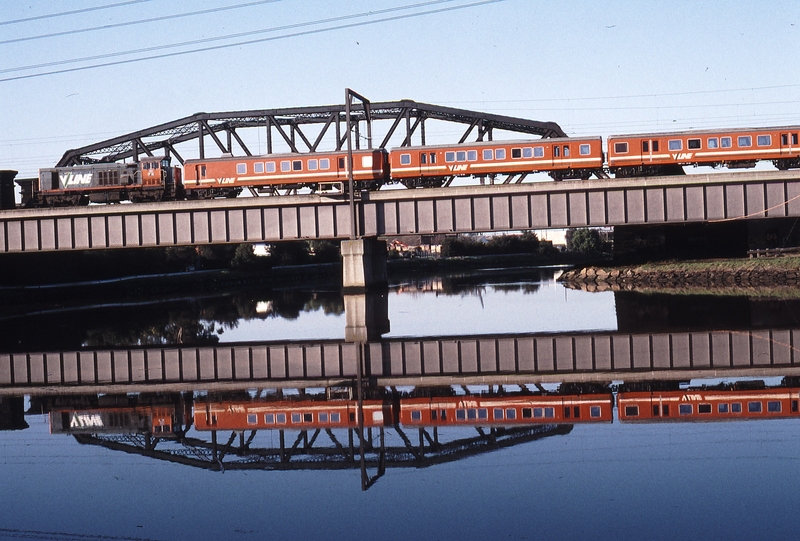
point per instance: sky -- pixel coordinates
(76, 73)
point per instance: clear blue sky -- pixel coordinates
(596, 68)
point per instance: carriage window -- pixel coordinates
(323, 417)
(704, 408)
(685, 409)
(433, 157)
(324, 164)
(281, 418)
(366, 161)
(269, 418)
(764, 140)
(794, 138)
(645, 146)
(297, 165)
(252, 418)
(527, 413)
(405, 159)
(773, 406)
(621, 148)
(450, 156)
(713, 142)
(675, 144)
(472, 155)
(538, 152)
(784, 138)
(500, 154)
(461, 156)
(665, 410)
(498, 413)
(341, 163)
(754, 407)
(241, 168)
(270, 167)
(566, 412)
(423, 158)
(594, 411)
(460, 415)
(566, 151)
(511, 414)
(584, 150)
(527, 152)
(286, 165)
(487, 153)
(472, 414)
(295, 417)
(483, 413)
(258, 167)
(722, 408)
(744, 141)
(736, 407)
(556, 151)
(631, 411)
(538, 412)
(313, 165)
(416, 415)
(335, 417)
(516, 153)
(726, 142)
(693, 144)
(549, 413)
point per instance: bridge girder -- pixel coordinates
(163, 138)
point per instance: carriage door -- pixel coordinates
(427, 163)
(648, 148)
(789, 144)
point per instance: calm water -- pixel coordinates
(82, 467)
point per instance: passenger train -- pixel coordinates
(155, 179)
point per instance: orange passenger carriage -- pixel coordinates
(320, 171)
(666, 153)
(562, 158)
(708, 404)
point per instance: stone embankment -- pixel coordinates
(639, 278)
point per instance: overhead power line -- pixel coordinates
(241, 43)
(141, 21)
(73, 12)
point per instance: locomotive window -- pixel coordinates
(621, 148)
(472, 414)
(461, 156)
(258, 167)
(744, 141)
(269, 418)
(516, 153)
(631, 411)
(450, 156)
(286, 166)
(405, 159)
(725, 142)
(252, 418)
(685, 409)
(498, 413)
(704, 408)
(675, 144)
(487, 153)
(713, 142)
(538, 412)
(281, 418)
(645, 146)
(295, 417)
(773, 406)
(500, 154)
(764, 140)
(566, 151)
(556, 151)
(313, 165)
(527, 152)
(722, 408)
(511, 414)
(594, 411)
(270, 167)
(472, 155)
(584, 150)
(323, 417)
(693, 144)
(483, 413)
(416, 415)
(736, 407)
(241, 168)
(754, 407)
(527, 413)
(549, 413)
(297, 165)
(335, 417)
(538, 152)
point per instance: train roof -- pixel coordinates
(287, 155)
(710, 131)
(504, 142)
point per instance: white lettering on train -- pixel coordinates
(75, 179)
(85, 420)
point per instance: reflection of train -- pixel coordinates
(564, 158)
(721, 403)
(481, 410)
(160, 419)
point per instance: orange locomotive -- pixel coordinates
(718, 404)
(666, 153)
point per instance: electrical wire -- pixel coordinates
(73, 12)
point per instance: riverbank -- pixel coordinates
(768, 276)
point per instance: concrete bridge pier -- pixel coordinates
(367, 316)
(363, 264)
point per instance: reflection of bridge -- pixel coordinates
(489, 359)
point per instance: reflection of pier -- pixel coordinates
(488, 359)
